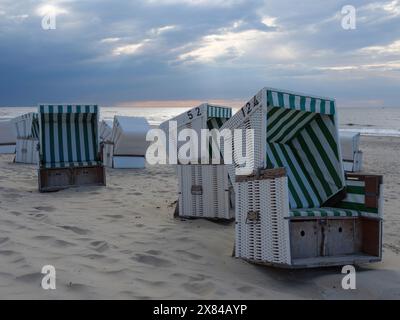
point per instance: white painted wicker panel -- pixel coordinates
(252, 116)
(195, 119)
(189, 205)
(275, 208)
(265, 240)
(27, 151)
(213, 201)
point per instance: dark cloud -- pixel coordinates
(161, 50)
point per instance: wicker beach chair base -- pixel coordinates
(204, 192)
(269, 233)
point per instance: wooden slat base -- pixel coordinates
(56, 179)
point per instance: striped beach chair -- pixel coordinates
(26, 128)
(69, 147)
(298, 208)
(204, 189)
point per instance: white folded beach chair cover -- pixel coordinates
(351, 153)
(129, 136)
(298, 132)
(68, 136)
(205, 116)
(26, 128)
(105, 130)
(7, 137)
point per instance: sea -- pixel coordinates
(368, 121)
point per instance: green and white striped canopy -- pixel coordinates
(300, 133)
(26, 126)
(68, 135)
(353, 205)
(323, 212)
(355, 199)
(218, 112)
(295, 101)
(302, 136)
(217, 116)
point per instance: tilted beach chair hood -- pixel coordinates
(126, 147)
(69, 147)
(203, 189)
(298, 209)
(26, 128)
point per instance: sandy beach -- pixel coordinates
(122, 242)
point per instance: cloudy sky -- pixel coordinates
(125, 52)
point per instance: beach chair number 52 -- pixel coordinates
(246, 110)
(197, 113)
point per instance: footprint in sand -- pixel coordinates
(94, 256)
(75, 230)
(116, 216)
(42, 237)
(63, 244)
(15, 213)
(189, 254)
(152, 260)
(165, 229)
(31, 278)
(38, 216)
(20, 260)
(154, 252)
(45, 208)
(151, 283)
(246, 289)
(3, 240)
(13, 196)
(7, 252)
(99, 246)
(77, 286)
(199, 288)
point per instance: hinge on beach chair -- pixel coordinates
(197, 190)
